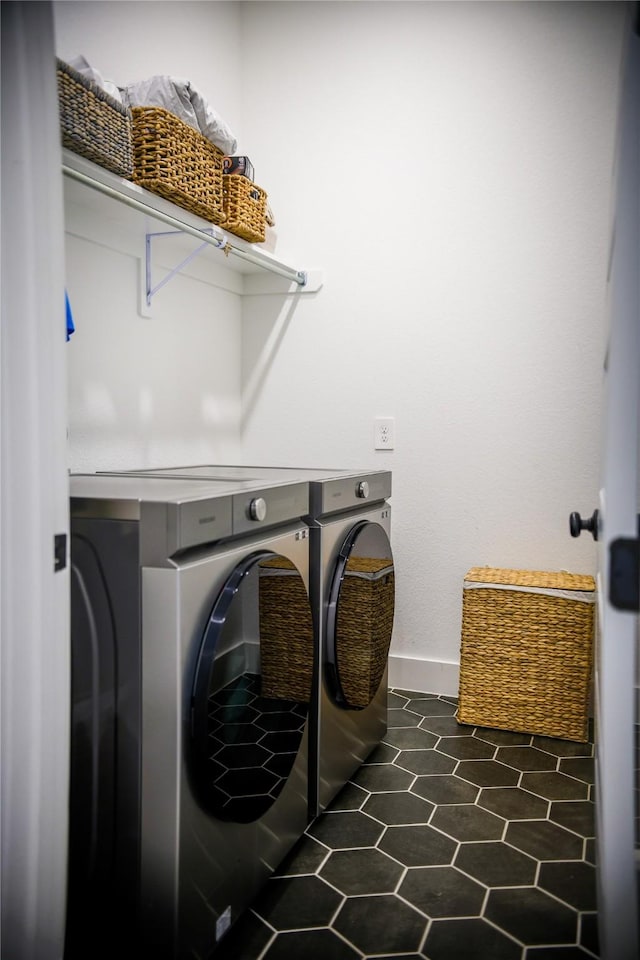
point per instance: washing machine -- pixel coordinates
(352, 588)
(190, 706)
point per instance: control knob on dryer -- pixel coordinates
(362, 490)
(258, 509)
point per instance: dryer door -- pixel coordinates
(251, 689)
(359, 618)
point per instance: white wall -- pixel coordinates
(129, 40)
(166, 389)
(448, 165)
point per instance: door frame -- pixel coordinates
(34, 575)
(617, 635)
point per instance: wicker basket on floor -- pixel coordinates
(286, 632)
(92, 123)
(245, 208)
(177, 162)
(364, 625)
(526, 651)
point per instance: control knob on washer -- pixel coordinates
(258, 509)
(362, 490)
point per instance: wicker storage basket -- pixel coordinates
(527, 651)
(286, 632)
(245, 208)
(175, 161)
(364, 626)
(92, 123)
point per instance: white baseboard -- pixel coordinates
(426, 676)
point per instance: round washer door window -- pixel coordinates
(251, 689)
(360, 616)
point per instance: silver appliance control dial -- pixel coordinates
(258, 509)
(362, 490)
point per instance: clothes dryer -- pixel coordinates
(353, 599)
(352, 588)
(190, 706)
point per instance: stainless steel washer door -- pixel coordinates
(251, 689)
(359, 619)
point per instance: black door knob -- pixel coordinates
(577, 524)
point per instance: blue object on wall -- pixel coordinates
(70, 326)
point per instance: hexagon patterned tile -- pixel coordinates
(451, 842)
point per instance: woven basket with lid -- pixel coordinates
(363, 626)
(286, 632)
(526, 652)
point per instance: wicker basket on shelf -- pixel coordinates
(177, 162)
(527, 651)
(245, 208)
(92, 123)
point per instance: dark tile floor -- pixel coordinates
(449, 843)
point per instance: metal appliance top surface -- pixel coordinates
(177, 513)
(135, 488)
(330, 490)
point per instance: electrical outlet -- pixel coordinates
(384, 433)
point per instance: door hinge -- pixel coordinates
(624, 574)
(59, 552)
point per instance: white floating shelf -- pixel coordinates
(243, 257)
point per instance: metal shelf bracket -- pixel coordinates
(306, 281)
(150, 291)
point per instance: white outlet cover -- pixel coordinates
(384, 433)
